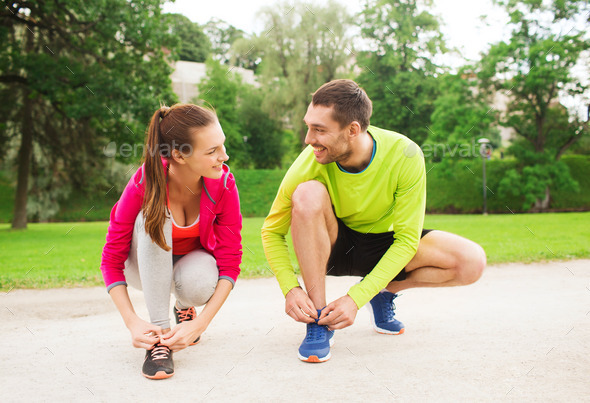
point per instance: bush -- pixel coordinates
(454, 190)
(258, 188)
(459, 189)
(579, 166)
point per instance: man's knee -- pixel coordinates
(471, 264)
(310, 198)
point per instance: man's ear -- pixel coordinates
(177, 156)
(354, 128)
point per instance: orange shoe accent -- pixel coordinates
(392, 334)
(159, 375)
(313, 358)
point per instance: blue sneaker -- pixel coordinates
(382, 312)
(316, 345)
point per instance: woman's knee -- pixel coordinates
(195, 278)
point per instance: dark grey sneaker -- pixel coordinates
(183, 315)
(158, 363)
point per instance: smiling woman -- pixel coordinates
(176, 228)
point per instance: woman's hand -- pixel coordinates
(143, 334)
(182, 335)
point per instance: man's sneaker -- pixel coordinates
(316, 345)
(382, 313)
(183, 315)
(158, 363)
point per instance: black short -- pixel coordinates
(356, 254)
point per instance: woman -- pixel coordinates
(176, 228)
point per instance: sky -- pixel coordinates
(462, 25)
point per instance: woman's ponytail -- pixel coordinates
(154, 201)
(171, 128)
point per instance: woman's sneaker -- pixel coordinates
(184, 315)
(316, 345)
(158, 363)
(382, 313)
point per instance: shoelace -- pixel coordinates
(186, 314)
(389, 308)
(160, 352)
(314, 332)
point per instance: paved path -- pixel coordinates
(521, 333)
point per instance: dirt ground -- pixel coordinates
(522, 333)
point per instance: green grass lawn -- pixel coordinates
(68, 254)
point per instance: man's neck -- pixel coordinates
(361, 155)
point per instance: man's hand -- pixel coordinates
(342, 313)
(299, 306)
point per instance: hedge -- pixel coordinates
(461, 190)
(456, 190)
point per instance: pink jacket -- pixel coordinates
(220, 226)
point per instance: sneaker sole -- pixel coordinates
(315, 358)
(158, 375)
(389, 332)
(377, 328)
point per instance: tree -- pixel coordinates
(302, 47)
(398, 71)
(76, 75)
(264, 137)
(221, 35)
(462, 114)
(220, 89)
(534, 68)
(253, 138)
(194, 45)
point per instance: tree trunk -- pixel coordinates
(543, 204)
(24, 163)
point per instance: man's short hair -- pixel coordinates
(350, 102)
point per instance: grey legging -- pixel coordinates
(192, 278)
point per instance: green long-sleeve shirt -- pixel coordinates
(389, 195)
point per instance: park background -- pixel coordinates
(79, 81)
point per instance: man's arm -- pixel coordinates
(298, 305)
(277, 223)
(274, 231)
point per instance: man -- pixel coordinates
(355, 201)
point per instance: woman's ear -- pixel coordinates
(177, 156)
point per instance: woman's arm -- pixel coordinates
(140, 330)
(227, 228)
(120, 232)
(184, 333)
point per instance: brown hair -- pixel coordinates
(350, 102)
(170, 129)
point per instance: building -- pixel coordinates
(187, 76)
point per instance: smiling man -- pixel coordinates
(354, 200)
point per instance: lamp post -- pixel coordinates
(485, 151)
